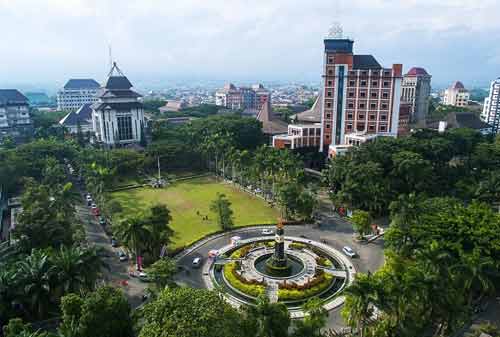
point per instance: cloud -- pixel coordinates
(52, 40)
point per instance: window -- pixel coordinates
(351, 94)
(327, 126)
(372, 117)
(374, 95)
(361, 105)
(125, 127)
(330, 83)
(364, 73)
(374, 83)
(384, 105)
(385, 95)
(362, 94)
(375, 73)
(349, 116)
(349, 127)
(387, 73)
(371, 127)
(363, 83)
(383, 128)
(351, 105)
(352, 83)
(383, 117)
(330, 60)
(329, 93)
(373, 105)
(360, 126)
(327, 136)
(361, 116)
(386, 84)
(330, 72)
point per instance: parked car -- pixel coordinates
(122, 256)
(144, 277)
(89, 203)
(267, 231)
(88, 197)
(114, 243)
(348, 251)
(93, 205)
(102, 221)
(196, 262)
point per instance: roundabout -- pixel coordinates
(286, 269)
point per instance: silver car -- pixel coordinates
(348, 251)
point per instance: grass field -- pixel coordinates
(186, 198)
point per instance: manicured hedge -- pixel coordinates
(320, 283)
(253, 289)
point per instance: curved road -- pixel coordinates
(337, 233)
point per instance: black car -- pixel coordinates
(114, 243)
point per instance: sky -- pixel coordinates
(45, 42)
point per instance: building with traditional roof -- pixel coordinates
(76, 92)
(15, 118)
(173, 106)
(416, 89)
(118, 115)
(456, 95)
(491, 109)
(270, 124)
(79, 119)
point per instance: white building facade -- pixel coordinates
(456, 95)
(14, 113)
(118, 115)
(491, 109)
(77, 92)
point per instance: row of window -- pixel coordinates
(371, 127)
(362, 94)
(371, 117)
(362, 105)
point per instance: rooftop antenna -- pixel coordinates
(110, 56)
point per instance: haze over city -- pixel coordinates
(44, 43)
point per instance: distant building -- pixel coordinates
(234, 98)
(461, 119)
(456, 95)
(38, 99)
(15, 118)
(173, 106)
(404, 119)
(270, 124)
(81, 118)
(415, 90)
(118, 115)
(491, 110)
(77, 92)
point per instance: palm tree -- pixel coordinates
(134, 233)
(358, 309)
(69, 268)
(35, 273)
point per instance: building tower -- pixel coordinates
(360, 97)
(416, 89)
(491, 110)
(456, 95)
(118, 116)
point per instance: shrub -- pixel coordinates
(323, 261)
(297, 245)
(253, 288)
(293, 291)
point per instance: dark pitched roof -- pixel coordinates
(365, 62)
(81, 83)
(470, 120)
(9, 96)
(458, 85)
(119, 93)
(117, 106)
(82, 116)
(118, 83)
(312, 115)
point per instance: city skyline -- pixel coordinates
(277, 40)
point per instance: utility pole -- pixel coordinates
(159, 172)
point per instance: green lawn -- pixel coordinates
(186, 198)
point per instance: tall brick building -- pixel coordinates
(361, 99)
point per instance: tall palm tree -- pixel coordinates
(134, 233)
(69, 268)
(35, 273)
(358, 309)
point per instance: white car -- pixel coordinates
(348, 251)
(196, 262)
(267, 231)
(88, 197)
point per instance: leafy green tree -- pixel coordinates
(133, 233)
(273, 319)
(161, 234)
(314, 320)
(357, 308)
(162, 272)
(16, 328)
(106, 310)
(361, 222)
(190, 312)
(221, 206)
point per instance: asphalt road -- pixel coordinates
(117, 272)
(337, 233)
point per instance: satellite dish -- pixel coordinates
(336, 31)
